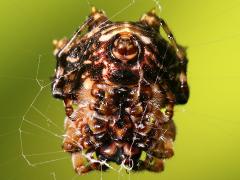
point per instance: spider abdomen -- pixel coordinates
(120, 82)
(119, 123)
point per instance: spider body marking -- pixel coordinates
(125, 79)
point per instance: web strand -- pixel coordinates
(32, 107)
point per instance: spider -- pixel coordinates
(119, 82)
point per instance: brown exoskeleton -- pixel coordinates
(125, 79)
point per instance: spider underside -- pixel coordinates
(119, 82)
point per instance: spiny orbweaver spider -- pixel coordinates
(119, 82)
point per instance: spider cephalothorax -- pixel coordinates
(124, 80)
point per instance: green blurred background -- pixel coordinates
(207, 144)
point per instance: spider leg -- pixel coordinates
(85, 163)
(99, 17)
(71, 138)
(68, 106)
(162, 144)
(170, 103)
(82, 163)
(163, 148)
(151, 19)
(183, 94)
(96, 18)
(59, 44)
(153, 164)
(79, 163)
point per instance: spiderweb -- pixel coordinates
(41, 130)
(36, 125)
